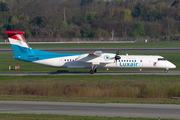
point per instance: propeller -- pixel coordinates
(117, 57)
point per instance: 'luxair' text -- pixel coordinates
(128, 64)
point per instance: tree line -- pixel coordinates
(90, 18)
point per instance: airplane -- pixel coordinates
(98, 59)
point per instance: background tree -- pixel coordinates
(127, 15)
(138, 31)
(3, 6)
(101, 33)
(176, 3)
(43, 18)
(90, 17)
(63, 25)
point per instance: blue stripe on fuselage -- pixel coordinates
(37, 55)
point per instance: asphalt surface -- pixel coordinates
(104, 50)
(87, 73)
(92, 109)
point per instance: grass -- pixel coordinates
(6, 60)
(7, 116)
(167, 44)
(97, 89)
(89, 100)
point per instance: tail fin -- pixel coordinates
(18, 43)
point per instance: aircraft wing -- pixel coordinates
(95, 58)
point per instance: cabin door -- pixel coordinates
(141, 62)
(61, 62)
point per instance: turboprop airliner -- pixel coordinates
(98, 59)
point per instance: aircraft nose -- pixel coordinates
(172, 65)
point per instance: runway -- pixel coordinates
(104, 50)
(92, 109)
(87, 73)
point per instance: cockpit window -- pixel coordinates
(161, 59)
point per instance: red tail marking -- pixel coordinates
(17, 35)
(14, 32)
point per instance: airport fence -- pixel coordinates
(101, 40)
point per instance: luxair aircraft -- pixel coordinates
(98, 59)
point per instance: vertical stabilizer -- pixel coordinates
(18, 43)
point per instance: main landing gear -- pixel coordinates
(94, 70)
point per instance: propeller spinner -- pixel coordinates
(117, 57)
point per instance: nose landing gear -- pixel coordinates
(166, 70)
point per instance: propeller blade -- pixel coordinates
(117, 52)
(117, 57)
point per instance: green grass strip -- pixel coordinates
(5, 116)
(167, 44)
(89, 100)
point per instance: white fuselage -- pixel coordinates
(98, 59)
(106, 60)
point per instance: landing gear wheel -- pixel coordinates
(166, 71)
(91, 71)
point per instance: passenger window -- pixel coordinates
(121, 60)
(135, 61)
(124, 60)
(129, 60)
(140, 60)
(132, 61)
(64, 59)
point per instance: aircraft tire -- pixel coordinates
(91, 71)
(95, 70)
(166, 71)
